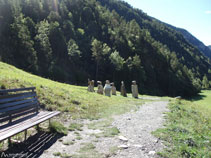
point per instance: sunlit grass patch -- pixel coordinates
(58, 128)
(111, 132)
(75, 126)
(187, 131)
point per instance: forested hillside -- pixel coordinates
(195, 42)
(72, 40)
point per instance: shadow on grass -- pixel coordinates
(33, 147)
(197, 97)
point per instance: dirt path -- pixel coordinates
(137, 128)
(134, 140)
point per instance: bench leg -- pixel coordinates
(49, 122)
(9, 142)
(38, 128)
(25, 134)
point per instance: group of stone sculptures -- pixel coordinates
(110, 88)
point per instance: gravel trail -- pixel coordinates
(137, 128)
(134, 141)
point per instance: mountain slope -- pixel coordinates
(72, 40)
(195, 42)
(209, 47)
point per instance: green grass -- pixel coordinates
(75, 126)
(101, 124)
(68, 142)
(58, 128)
(87, 147)
(88, 151)
(68, 98)
(111, 132)
(113, 150)
(62, 155)
(57, 154)
(203, 99)
(188, 129)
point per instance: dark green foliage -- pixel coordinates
(72, 40)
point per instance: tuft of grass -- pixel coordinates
(65, 155)
(57, 154)
(68, 142)
(75, 126)
(78, 138)
(1, 146)
(187, 131)
(113, 150)
(100, 124)
(62, 155)
(58, 128)
(87, 151)
(87, 147)
(111, 132)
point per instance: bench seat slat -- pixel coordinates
(17, 128)
(18, 97)
(27, 111)
(23, 121)
(16, 122)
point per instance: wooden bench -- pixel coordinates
(19, 111)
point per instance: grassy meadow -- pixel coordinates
(187, 132)
(67, 98)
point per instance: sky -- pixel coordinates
(192, 15)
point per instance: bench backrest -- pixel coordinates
(15, 103)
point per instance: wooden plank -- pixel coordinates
(2, 91)
(4, 119)
(24, 120)
(19, 97)
(26, 125)
(16, 103)
(16, 123)
(7, 110)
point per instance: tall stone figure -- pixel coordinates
(113, 89)
(123, 90)
(92, 86)
(134, 89)
(89, 85)
(99, 87)
(107, 88)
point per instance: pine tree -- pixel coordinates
(205, 82)
(24, 44)
(98, 51)
(43, 46)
